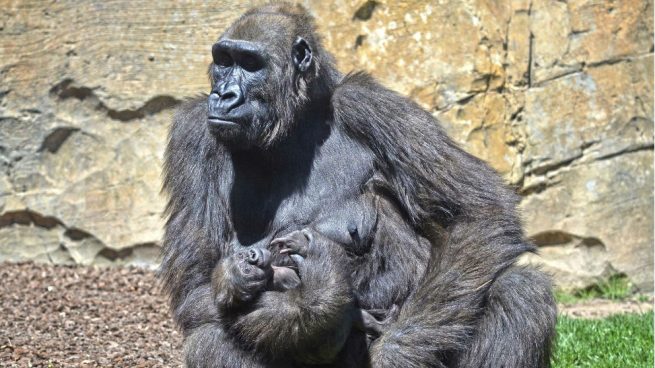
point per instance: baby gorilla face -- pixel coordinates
(256, 264)
(260, 258)
(248, 272)
(253, 264)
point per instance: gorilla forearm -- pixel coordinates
(444, 313)
(196, 309)
(188, 282)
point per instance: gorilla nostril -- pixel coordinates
(253, 256)
(228, 96)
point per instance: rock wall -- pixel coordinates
(557, 96)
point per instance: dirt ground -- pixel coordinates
(601, 308)
(84, 317)
(55, 316)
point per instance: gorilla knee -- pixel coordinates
(519, 324)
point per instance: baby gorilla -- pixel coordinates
(255, 276)
(285, 278)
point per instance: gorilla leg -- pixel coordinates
(517, 327)
(208, 346)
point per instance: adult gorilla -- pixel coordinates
(286, 142)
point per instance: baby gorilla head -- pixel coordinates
(280, 278)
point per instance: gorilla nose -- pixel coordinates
(259, 257)
(227, 97)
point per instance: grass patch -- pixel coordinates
(618, 341)
(617, 287)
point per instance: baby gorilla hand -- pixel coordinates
(241, 277)
(295, 244)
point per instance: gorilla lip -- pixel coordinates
(215, 122)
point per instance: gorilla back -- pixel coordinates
(284, 141)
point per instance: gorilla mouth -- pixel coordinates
(216, 122)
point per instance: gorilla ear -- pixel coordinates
(302, 54)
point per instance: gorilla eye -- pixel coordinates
(222, 59)
(250, 63)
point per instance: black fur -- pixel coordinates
(425, 226)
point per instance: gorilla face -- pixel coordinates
(249, 101)
(235, 106)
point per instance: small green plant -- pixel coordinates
(567, 297)
(617, 287)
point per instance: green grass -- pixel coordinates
(618, 341)
(617, 287)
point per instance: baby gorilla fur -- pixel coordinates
(257, 273)
(285, 278)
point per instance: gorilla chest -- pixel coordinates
(335, 199)
(341, 214)
(328, 197)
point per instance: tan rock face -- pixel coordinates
(557, 96)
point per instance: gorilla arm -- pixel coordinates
(196, 230)
(196, 238)
(436, 183)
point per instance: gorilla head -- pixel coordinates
(263, 76)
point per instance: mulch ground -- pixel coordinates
(55, 316)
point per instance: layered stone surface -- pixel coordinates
(557, 96)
